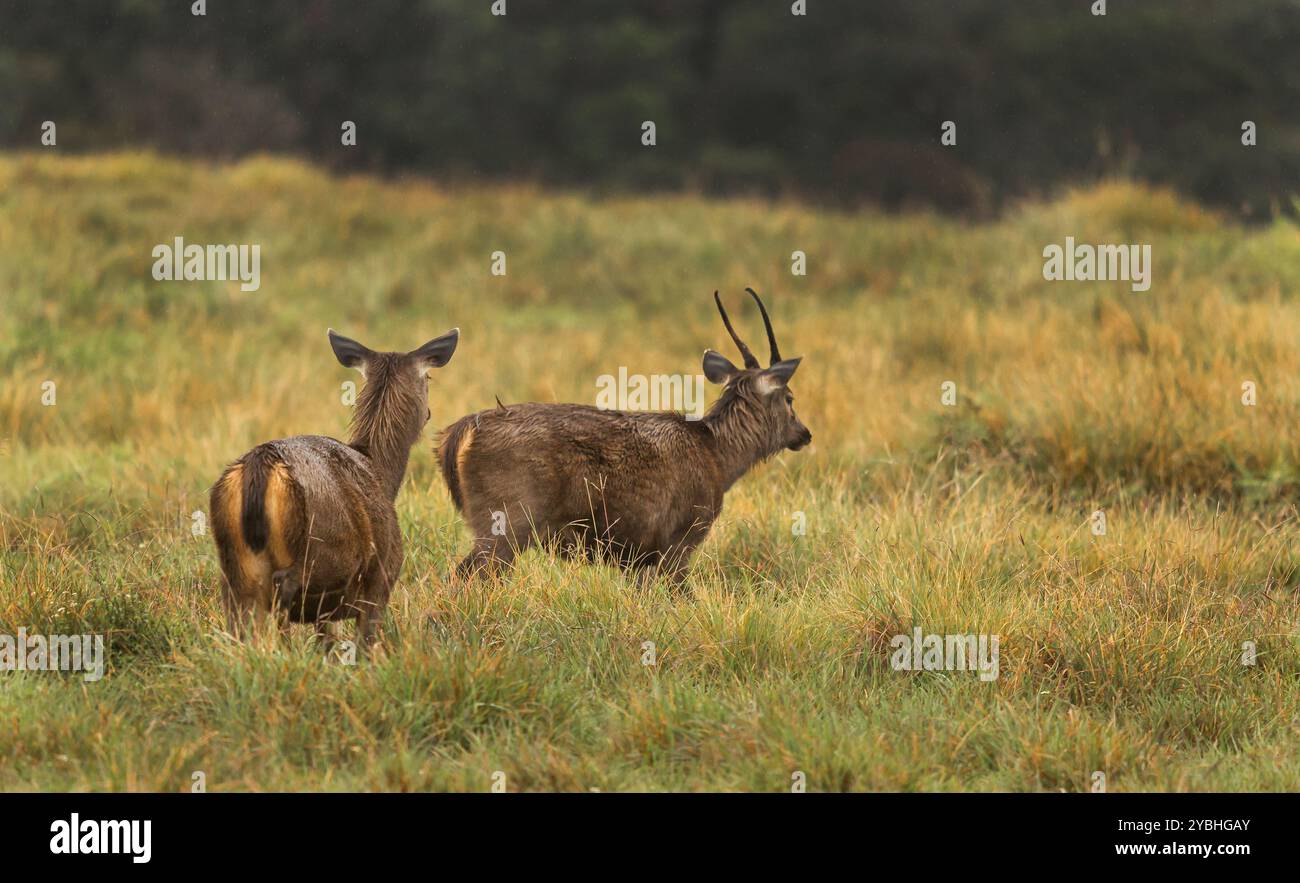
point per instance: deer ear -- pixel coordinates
(785, 369)
(349, 353)
(777, 376)
(436, 352)
(717, 368)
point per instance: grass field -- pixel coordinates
(1119, 653)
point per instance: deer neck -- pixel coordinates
(739, 437)
(388, 462)
(390, 469)
(383, 442)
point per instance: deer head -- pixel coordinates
(758, 399)
(393, 406)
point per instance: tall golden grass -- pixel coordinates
(1121, 652)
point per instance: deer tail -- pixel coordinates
(258, 465)
(455, 442)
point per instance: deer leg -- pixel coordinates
(676, 577)
(489, 555)
(260, 625)
(677, 560)
(236, 611)
(646, 574)
(375, 589)
(253, 618)
(286, 584)
(325, 636)
(239, 604)
(674, 566)
(647, 567)
(367, 625)
(673, 574)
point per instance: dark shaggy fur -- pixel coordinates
(641, 489)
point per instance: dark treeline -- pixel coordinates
(843, 105)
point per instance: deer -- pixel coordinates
(638, 489)
(305, 527)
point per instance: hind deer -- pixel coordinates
(640, 488)
(305, 526)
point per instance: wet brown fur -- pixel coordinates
(305, 526)
(639, 488)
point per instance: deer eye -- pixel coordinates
(789, 398)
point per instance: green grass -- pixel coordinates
(1119, 653)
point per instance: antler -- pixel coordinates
(750, 361)
(771, 338)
